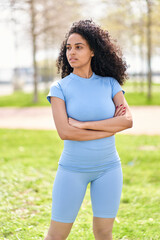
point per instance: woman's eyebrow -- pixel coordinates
(75, 44)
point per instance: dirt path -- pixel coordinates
(146, 119)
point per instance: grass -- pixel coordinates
(133, 95)
(29, 160)
(21, 99)
(140, 99)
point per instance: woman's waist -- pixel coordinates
(102, 144)
(84, 152)
(84, 155)
(90, 158)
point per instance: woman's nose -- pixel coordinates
(72, 51)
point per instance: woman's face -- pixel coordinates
(78, 51)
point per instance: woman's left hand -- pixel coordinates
(75, 123)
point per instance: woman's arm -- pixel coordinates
(119, 122)
(68, 132)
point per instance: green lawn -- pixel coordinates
(29, 160)
(136, 97)
(133, 95)
(21, 99)
(140, 99)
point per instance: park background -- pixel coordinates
(31, 32)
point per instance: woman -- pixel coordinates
(88, 108)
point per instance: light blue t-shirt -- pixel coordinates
(88, 99)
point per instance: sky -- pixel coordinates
(9, 58)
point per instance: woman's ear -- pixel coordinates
(92, 54)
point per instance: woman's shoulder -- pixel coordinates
(107, 79)
(61, 82)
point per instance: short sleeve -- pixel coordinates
(116, 87)
(55, 91)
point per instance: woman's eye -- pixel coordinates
(69, 48)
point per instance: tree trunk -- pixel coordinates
(149, 50)
(142, 60)
(34, 50)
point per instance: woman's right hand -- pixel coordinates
(120, 110)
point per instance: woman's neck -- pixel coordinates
(83, 73)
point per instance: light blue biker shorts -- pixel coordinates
(69, 189)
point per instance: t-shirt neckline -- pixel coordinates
(81, 78)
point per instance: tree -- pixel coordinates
(46, 19)
(149, 45)
(135, 23)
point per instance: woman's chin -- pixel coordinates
(74, 65)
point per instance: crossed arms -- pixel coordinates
(71, 129)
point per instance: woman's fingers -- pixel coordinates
(120, 110)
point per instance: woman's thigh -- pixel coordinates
(68, 192)
(106, 193)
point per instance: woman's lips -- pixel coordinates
(72, 59)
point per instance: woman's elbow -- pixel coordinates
(129, 122)
(62, 135)
(65, 135)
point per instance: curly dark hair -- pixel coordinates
(107, 59)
